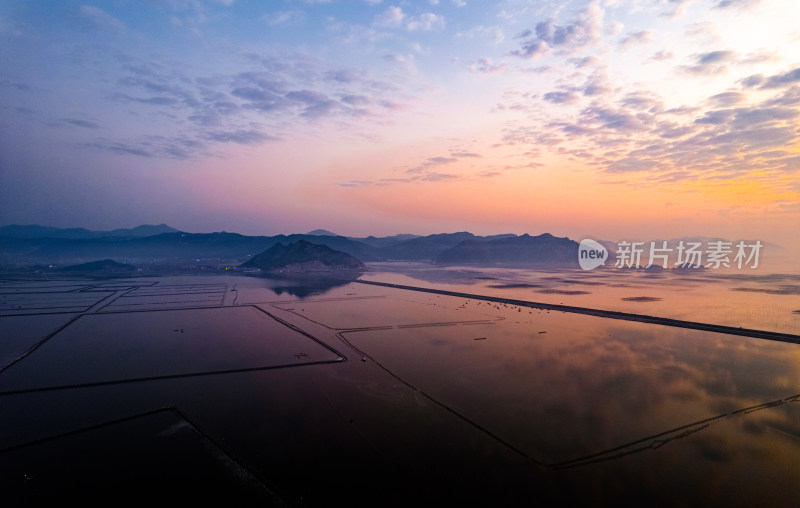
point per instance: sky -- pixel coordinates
(612, 119)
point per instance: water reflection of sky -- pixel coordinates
(759, 301)
(600, 383)
(601, 409)
(568, 390)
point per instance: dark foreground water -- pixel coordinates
(271, 392)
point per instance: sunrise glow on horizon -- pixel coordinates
(606, 118)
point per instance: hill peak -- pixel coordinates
(303, 256)
(321, 232)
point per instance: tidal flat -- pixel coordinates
(303, 391)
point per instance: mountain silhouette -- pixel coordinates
(26, 246)
(104, 266)
(321, 232)
(36, 231)
(524, 250)
(303, 256)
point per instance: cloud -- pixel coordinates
(618, 120)
(487, 66)
(153, 101)
(584, 30)
(273, 93)
(747, 117)
(263, 100)
(781, 80)
(120, 148)
(727, 99)
(23, 87)
(438, 177)
(531, 49)
(441, 160)
(670, 130)
(614, 28)
(630, 164)
(356, 100)
(586, 61)
(152, 147)
(597, 83)
(561, 97)
(643, 101)
(714, 62)
(355, 183)
(431, 162)
(715, 57)
(572, 129)
(242, 137)
(636, 38)
(391, 17)
(394, 17)
(493, 34)
(348, 75)
(168, 90)
(425, 22)
(309, 97)
(662, 55)
(421, 173)
(752, 81)
(790, 97)
(680, 8)
(743, 4)
(292, 17)
(82, 123)
(316, 104)
(406, 62)
(98, 19)
(634, 133)
(758, 58)
(490, 174)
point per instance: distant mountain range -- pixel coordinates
(157, 246)
(35, 231)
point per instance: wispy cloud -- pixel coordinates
(493, 34)
(278, 18)
(242, 137)
(391, 17)
(637, 38)
(742, 4)
(425, 22)
(568, 97)
(487, 66)
(86, 124)
(713, 62)
(280, 91)
(99, 19)
(394, 17)
(152, 147)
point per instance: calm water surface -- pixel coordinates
(302, 391)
